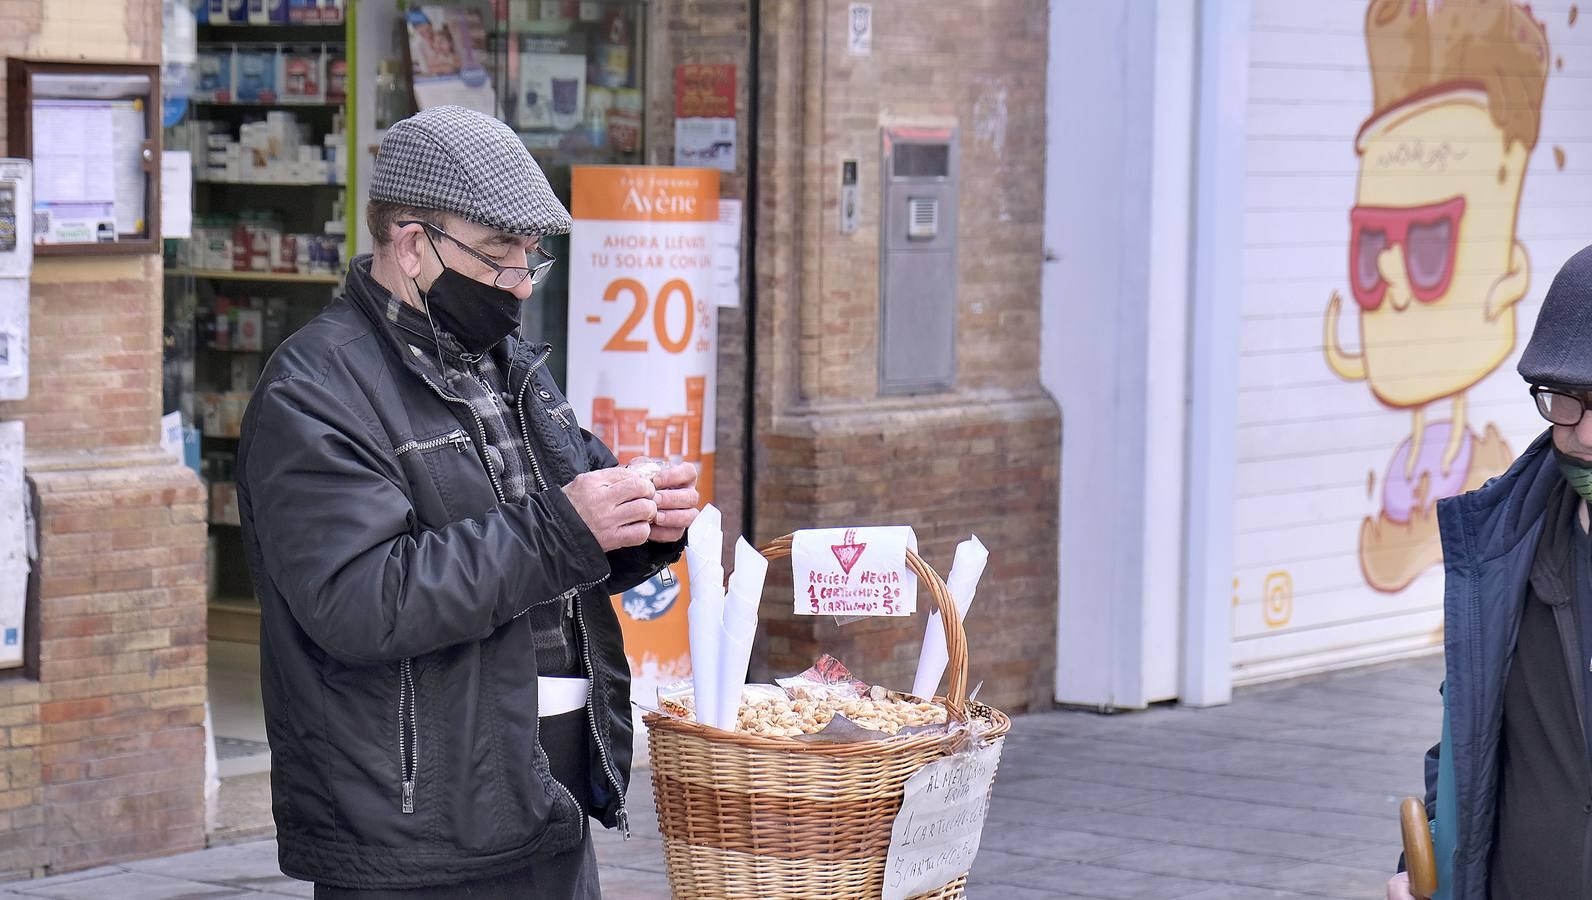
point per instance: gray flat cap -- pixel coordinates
(1560, 351)
(467, 163)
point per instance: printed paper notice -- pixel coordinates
(936, 835)
(13, 545)
(727, 255)
(68, 165)
(859, 30)
(176, 194)
(705, 143)
(127, 140)
(854, 571)
(74, 180)
(13, 338)
(16, 219)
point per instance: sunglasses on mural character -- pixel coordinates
(1428, 235)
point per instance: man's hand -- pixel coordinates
(616, 504)
(677, 502)
(1398, 887)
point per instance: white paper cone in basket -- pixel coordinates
(966, 570)
(740, 627)
(703, 552)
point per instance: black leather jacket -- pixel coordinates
(397, 667)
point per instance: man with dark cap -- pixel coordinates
(1509, 785)
(434, 541)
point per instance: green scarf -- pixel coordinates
(1577, 472)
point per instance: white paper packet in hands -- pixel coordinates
(966, 570)
(739, 628)
(703, 552)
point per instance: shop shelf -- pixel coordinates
(257, 104)
(534, 26)
(224, 275)
(270, 184)
(335, 31)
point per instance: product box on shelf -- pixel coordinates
(256, 67)
(213, 82)
(303, 75)
(245, 372)
(251, 330)
(336, 77)
(224, 503)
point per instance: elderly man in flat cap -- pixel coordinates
(434, 541)
(1509, 785)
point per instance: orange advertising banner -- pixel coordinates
(644, 194)
(643, 358)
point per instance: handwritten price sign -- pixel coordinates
(936, 835)
(854, 571)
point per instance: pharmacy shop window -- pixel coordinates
(566, 75)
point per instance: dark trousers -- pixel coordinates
(566, 876)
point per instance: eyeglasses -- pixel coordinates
(1428, 236)
(508, 277)
(1559, 407)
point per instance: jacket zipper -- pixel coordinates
(525, 431)
(580, 814)
(591, 722)
(580, 620)
(408, 758)
(458, 438)
(557, 414)
(497, 487)
(1564, 618)
(1473, 614)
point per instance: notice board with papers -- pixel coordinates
(92, 131)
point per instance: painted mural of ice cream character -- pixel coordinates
(1434, 264)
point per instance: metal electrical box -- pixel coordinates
(917, 261)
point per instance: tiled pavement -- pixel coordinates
(1292, 791)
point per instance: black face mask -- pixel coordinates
(477, 315)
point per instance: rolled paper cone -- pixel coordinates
(746, 582)
(703, 618)
(735, 655)
(966, 569)
(707, 535)
(739, 629)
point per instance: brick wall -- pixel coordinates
(120, 737)
(94, 345)
(983, 458)
(691, 32)
(988, 469)
(101, 755)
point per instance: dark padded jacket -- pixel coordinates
(397, 665)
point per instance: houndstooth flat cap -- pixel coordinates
(460, 161)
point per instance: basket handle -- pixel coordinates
(955, 636)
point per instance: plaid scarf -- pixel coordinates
(478, 381)
(481, 383)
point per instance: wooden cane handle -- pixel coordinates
(1419, 860)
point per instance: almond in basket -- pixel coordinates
(774, 717)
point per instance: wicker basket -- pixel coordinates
(747, 817)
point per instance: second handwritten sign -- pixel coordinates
(855, 571)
